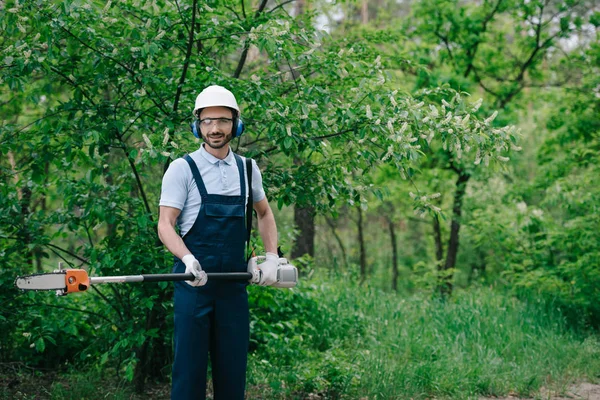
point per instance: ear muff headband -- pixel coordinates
(237, 129)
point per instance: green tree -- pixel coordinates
(104, 89)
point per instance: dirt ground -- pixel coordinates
(582, 391)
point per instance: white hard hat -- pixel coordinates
(216, 96)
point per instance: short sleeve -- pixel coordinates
(175, 183)
(258, 192)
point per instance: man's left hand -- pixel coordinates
(269, 270)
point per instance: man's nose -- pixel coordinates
(214, 127)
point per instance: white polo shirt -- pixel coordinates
(222, 177)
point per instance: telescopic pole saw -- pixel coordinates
(66, 281)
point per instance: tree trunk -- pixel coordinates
(361, 244)
(439, 246)
(26, 236)
(445, 286)
(364, 12)
(299, 8)
(394, 255)
(338, 240)
(154, 354)
(304, 218)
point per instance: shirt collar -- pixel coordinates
(213, 160)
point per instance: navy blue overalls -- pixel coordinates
(213, 318)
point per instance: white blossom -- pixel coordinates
(537, 213)
(147, 140)
(478, 157)
(465, 120)
(491, 117)
(434, 111)
(403, 128)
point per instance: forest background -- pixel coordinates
(432, 165)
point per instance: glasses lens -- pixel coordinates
(221, 122)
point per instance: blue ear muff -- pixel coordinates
(195, 127)
(238, 128)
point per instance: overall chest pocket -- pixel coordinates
(224, 210)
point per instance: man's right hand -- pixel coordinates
(192, 266)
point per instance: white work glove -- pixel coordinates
(269, 270)
(192, 266)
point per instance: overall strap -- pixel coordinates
(197, 176)
(250, 203)
(240, 165)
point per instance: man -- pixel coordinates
(205, 195)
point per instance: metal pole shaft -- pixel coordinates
(229, 276)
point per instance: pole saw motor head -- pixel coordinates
(287, 274)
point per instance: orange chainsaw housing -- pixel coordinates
(76, 280)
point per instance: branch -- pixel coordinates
(181, 15)
(83, 260)
(447, 44)
(34, 122)
(188, 54)
(242, 61)
(72, 83)
(99, 293)
(133, 74)
(70, 309)
(233, 11)
(137, 178)
(281, 5)
(471, 54)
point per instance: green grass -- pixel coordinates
(335, 339)
(480, 342)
